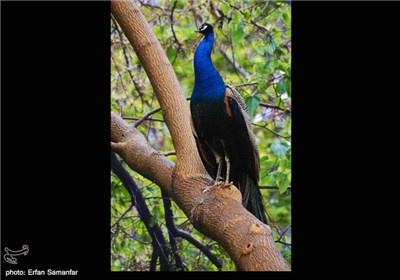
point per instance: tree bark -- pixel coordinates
(217, 213)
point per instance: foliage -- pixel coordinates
(253, 53)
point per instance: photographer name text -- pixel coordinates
(32, 272)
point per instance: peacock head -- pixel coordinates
(205, 29)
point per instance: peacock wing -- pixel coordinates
(238, 109)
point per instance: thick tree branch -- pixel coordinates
(133, 147)
(218, 213)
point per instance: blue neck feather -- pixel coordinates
(208, 83)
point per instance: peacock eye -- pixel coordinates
(204, 27)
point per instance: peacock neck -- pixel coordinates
(208, 82)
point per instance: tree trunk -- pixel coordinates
(217, 213)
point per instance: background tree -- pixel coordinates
(252, 53)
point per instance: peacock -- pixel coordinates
(222, 129)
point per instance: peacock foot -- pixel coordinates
(218, 182)
(207, 189)
(225, 184)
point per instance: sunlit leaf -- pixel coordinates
(224, 7)
(237, 33)
(282, 182)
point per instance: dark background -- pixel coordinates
(55, 94)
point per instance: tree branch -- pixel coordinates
(180, 49)
(134, 149)
(142, 119)
(236, 67)
(273, 106)
(170, 224)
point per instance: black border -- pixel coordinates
(55, 134)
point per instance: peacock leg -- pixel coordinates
(217, 181)
(228, 168)
(219, 170)
(228, 163)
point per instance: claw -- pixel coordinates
(207, 189)
(219, 182)
(224, 184)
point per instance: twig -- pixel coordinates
(266, 105)
(272, 188)
(246, 85)
(136, 119)
(142, 119)
(119, 72)
(169, 219)
(238, 68)
(164, 9)
(180, 49)
(128, 63)
(195, 16)
(170, 153)
(277, 134)
(259, 26)
(123, 215)
(284, 243)
(283, 233)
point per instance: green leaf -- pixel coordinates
(270, 47)
(286, 17)
(252, 102)
(262, 86)
(262, 69)
(152, 221)
(266, 180)
(259, 46)
(284, 164)
(237, 33)
(279, 148)
(247, 15)
(235, 17)
(257, 12)
(288, 72)
(289, 87)
(224, 7)
(280, 87)
(282, 182)
(264, 158)
(171, 53)
(115, 268)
